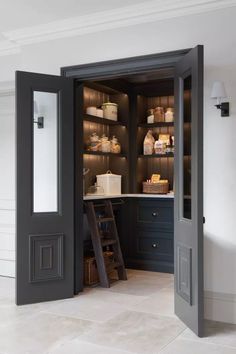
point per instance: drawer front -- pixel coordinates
(153, 244)
(155, 247)
(156, 213)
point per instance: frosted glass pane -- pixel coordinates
(45, 154)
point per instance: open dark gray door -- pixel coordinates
(45, 173)
(189, 190)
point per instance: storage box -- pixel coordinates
(110, 183)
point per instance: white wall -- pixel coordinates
(7, 186)
(216, 31)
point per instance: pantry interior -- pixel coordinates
(134, 96)
(145, 105)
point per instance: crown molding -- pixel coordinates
(149, 11)
(8, 48)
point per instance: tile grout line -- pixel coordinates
(81, 318)
(174, 317)
(208, 342)
(171, 341)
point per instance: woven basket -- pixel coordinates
(155, 188)
(91, 276)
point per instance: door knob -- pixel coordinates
(155, 245)
(154, 213)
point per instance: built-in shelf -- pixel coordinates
(99, 120)
(170, 154)
(100, 153)
(156, 125)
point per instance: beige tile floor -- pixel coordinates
(136, 316)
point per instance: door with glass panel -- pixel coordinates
(188, 237)
(45, 172)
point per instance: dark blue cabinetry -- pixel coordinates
(147, 234)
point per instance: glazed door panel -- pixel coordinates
(45, 188)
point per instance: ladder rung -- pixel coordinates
(105, 219)
(108, 242)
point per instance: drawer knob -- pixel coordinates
(154, 213)
(155, 245)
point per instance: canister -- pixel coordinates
(110, 110)
(92, 110)
(99, 112)
(169, 115)
(110, 183)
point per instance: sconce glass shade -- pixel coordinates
(218, 91)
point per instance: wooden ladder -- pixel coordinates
(101, 239)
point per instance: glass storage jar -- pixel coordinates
(105, 144)
(115, 146)
(159, 115)
(94, 142)
(169, 115)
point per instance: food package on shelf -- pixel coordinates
(155, 178)
(160, 147)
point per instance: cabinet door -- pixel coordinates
(45, 173)
(188, 210)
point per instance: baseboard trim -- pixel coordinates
(7, 268)
(220, 307)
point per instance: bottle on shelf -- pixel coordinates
(148, 143)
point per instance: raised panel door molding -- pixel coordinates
(184, 272)
(46, 257)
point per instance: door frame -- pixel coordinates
(95, 71)
(120, 67)
(109, 70)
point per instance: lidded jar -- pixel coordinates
(169, 115)
(115, 145)
(105, 144)
(110, 110)
(159, 115)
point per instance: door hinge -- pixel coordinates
(204, 219)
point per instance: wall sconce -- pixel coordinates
(218, 92)
(40, 120)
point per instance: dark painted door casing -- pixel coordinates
(188, 228)
(45, 241)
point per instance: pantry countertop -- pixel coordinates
(140, 195)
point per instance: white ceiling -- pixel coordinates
(24, 22)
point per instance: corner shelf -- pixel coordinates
(99, 120)
(107, 154)
(170, 154)
(156, 125)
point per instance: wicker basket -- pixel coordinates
(90, 268)
(155, 188)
